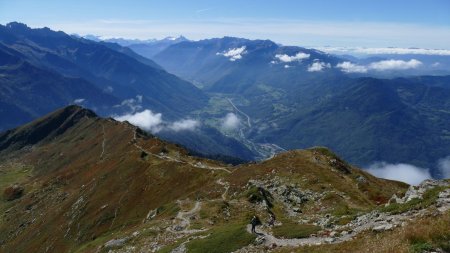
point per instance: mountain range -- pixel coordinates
(122, 75)
(219, 145)
(298, 97)
(43, 70)
(279, 97)
(146, 48)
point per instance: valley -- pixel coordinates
(132, 192)
(281, 102)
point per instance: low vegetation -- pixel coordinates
(429, 198)
(226, 238)
(289, 230)
(427, 234)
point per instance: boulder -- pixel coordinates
(115, 243)
(13, 192)
(260, 240)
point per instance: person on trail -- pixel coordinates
(271, 219)
(254, 222)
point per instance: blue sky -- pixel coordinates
(380, 23)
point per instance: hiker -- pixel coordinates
(254, 222)
(271, 219)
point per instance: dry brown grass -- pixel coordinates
(426, 233)
(119, 187)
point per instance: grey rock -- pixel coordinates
(180, 249)
(361, 179)
(330, 240)
(260, 240)
(384, 227)
(114, 243)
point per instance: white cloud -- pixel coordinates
(349, 67)
(79, 101)
(395, 65)
(444, 167)
(385, 50)
(133, 103)
(146, 120)
(234, 53)
(436, 64)
(298, 57)
(231, 121)
(185, 124)
(154, 123)
(401, 172)
(286, 66)
(318, 66)
(108, 89)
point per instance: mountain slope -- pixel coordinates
(232, 64)
(293, 105)
(28, 92)
(43, 70)
(146, 48)
(374, 120)
(108, 186)
(124, 75)
(151, 48)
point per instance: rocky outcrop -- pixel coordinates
(416, 192)
(13, 192)
(291, 195)
(115, 243)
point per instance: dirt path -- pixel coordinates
(371, 221)
(169, 158)
(226, 185)
(269, 239)
(103, 142)
(183, 221)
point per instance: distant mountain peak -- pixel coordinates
(177, 38)
(17, 25)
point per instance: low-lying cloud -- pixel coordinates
(444, 167)
(384, 65)
(185, 124)
(385, 50)
(401, 172)
(154, 123)
(79, 101)
(395, 65)
(349, 67)
(318, 66)
(234, 54)
(297, 57)
(134, 104)
(108, 89)
(146, 120)
(231, 121)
